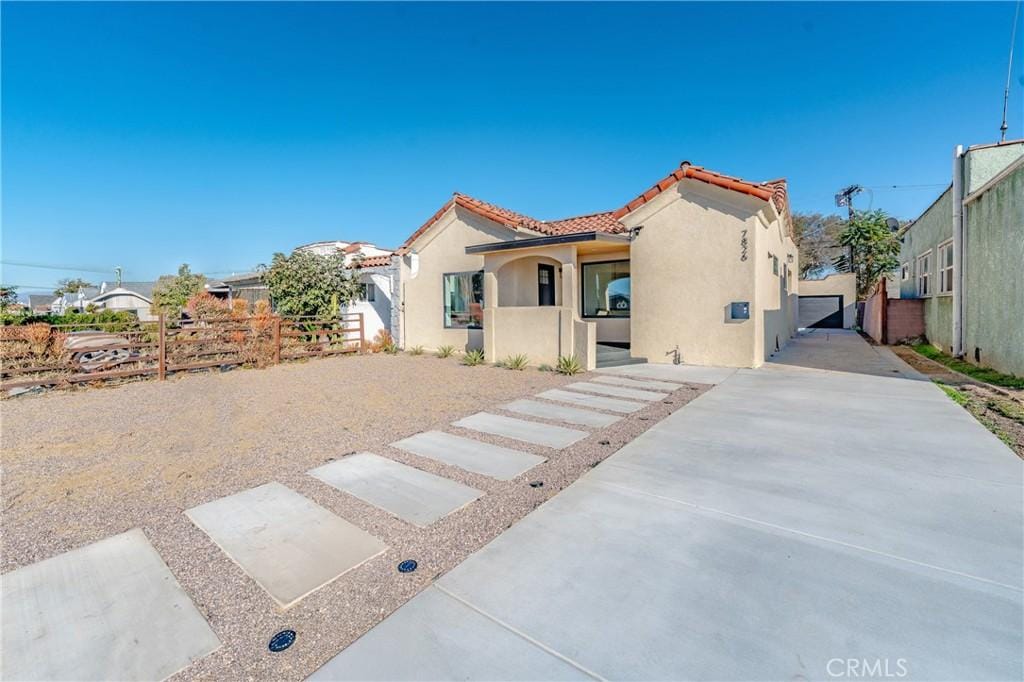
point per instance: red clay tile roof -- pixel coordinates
(774, 191)
(372, 261)
(597, 222)
(763, 191)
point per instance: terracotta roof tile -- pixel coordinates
(372, 261)
(762, 190)
(596, 222)
(774, 191)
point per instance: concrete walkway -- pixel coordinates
(831, 515)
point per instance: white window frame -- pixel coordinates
(905, 272)
(942, 268)
(924, 275)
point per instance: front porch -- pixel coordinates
(551, 297)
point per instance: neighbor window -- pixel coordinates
(905, 272)
(464, 300)
(369, 293)
(775, 264)
(606, 289)
(946, 268)
(923, 270)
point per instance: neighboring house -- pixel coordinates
(378, 275)
(964, 257)
(698, 269)
(351, 250)
(376, 272)
(248, 286)
(133, 297)
(41, 304)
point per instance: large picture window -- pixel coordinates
(606, 289)
(464, 300)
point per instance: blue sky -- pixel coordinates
(146, 135)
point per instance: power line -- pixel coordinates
(47, 266)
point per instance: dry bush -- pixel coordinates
(38, 337)
(239, 308)
(383, 342)
(206, 306)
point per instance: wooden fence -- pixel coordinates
(42, 355)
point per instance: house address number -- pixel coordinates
(743, 245)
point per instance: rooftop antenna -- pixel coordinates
(1009, 73)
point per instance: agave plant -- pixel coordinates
(473, 358)
(517, 362)
(416, 350)
(568, 365)
(445, 351)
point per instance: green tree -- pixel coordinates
(71, 286)
(875, 249)
(305, 283)
(171, 292)
(8, 297)
(817, 238)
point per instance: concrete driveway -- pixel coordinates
(832, 515)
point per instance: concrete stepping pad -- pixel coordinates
(408, 493)
(590, 400)
(284, 541)
(616, 391)
(519, 429)
(497, 462)
(648, 384)
(107, 611)
(572, 415)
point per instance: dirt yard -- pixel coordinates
(1000, 410)
(81, 466)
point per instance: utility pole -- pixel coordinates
(844, 197)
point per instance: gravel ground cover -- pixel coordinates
(79, 467)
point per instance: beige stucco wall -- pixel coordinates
(517, 281)
(775, 298)
(686, 269)
(442, 249)
(543, 333)
(843, 284)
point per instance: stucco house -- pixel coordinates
(375, 273)
(700, 268)
(963, 256)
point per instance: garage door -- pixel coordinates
(823, 312)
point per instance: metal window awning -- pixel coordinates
(578, 238)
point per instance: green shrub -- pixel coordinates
(568, 365)
(416, 350)
(516, 362)
(544, 367)
(445, 351)
(473, 358)
(114, 320)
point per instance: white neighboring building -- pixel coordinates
(377, 275)
(134, 297)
